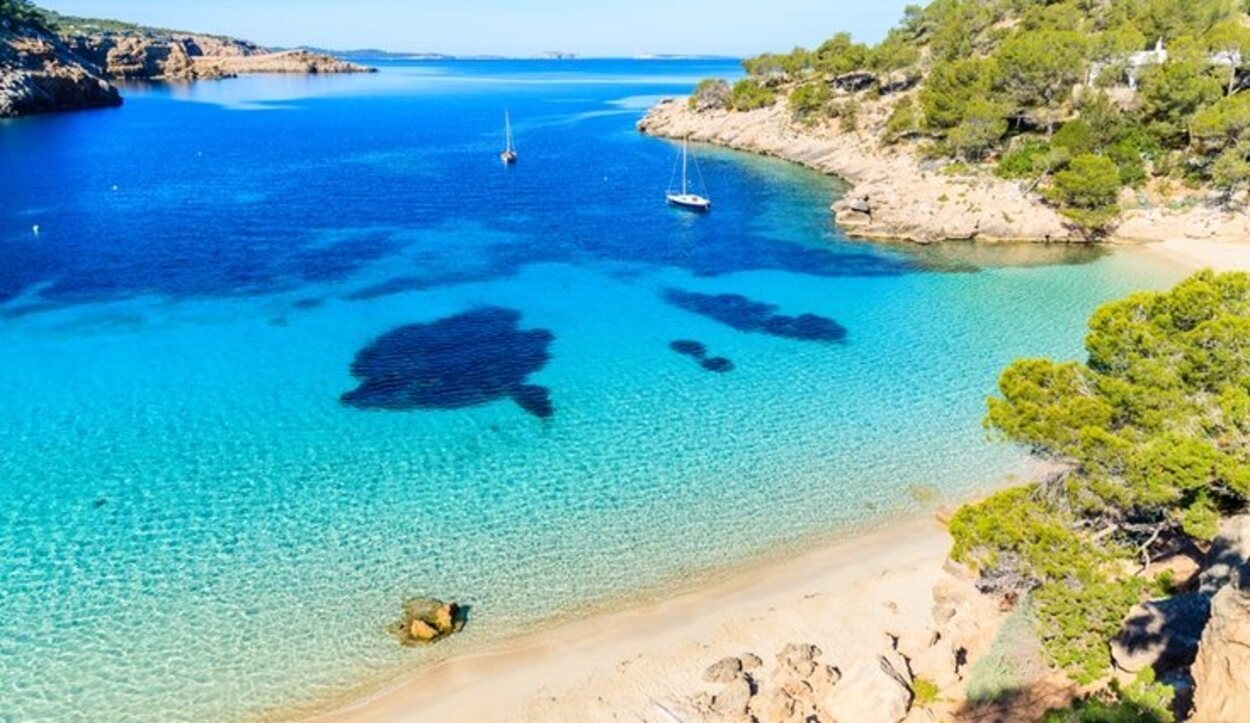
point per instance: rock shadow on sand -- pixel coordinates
(464, 360)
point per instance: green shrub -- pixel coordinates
(810, 99)
(903, 120)
(924, 691)
(749, 94)
(1087, 191)
(709, 94)
(1026, 159)
(848, 116)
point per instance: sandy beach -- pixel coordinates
(639, 663)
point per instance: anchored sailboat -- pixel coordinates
(686, 199)
(508, 156)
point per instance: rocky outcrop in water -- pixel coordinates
(427, 621)
(40, 74)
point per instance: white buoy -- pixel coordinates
(35, 229)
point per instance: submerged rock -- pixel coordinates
(427, 620)
(743, 314)
(689, 347)
(460, 361)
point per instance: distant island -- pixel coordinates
(53, 62)
(984, 120)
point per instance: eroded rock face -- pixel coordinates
(1161, 634)
(1229, 555)
(871, 691)
(40, 74)
(1221, 672)
(196, 57)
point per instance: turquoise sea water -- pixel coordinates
(197, 524)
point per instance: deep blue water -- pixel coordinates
(286, 351)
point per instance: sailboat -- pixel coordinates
(508, 156)
(686, 199)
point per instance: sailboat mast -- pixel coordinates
(684, 143)
(507, 131)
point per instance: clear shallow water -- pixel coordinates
(196, 527)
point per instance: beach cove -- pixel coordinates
(184, 436)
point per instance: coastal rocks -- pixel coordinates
(1221, 685)
(723, 670)
(1161, 634)
(289, 62)
(908, 200)
(39, 74)
(427, 621)
(800, 687)
(870, 692)
(196, 57)
(1229, 555)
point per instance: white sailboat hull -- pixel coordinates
(690, 201)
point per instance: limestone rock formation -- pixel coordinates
(179, 56)
(1221, 672)
(40, 74)
(724, 670)
(1229, 555)
(427, 620)
(871, 691)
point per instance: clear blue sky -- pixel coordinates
(520, 27)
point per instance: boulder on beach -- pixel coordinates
(427, 620)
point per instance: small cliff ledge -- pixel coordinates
(39, 74)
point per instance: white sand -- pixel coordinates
(1199, 254)
(619, 666)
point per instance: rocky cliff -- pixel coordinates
(40, 74)
(49, 66)
(177, 56)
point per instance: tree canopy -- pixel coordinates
(1153, 435)
(1160, 83)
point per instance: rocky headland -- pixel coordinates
(897, 194)
(39, 73)
(50, 63)
(176, 56)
